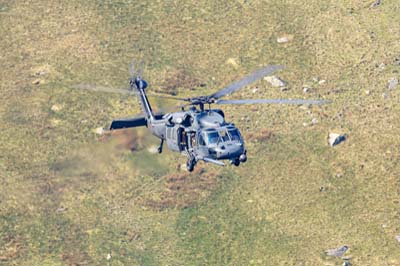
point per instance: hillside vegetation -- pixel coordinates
(69, 196)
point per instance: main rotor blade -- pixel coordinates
(246, 81)
(122, 91)
(273, 101)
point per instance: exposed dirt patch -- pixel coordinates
(184, 190)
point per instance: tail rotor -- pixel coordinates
(135, 70)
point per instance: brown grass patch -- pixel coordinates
(179, 78)
(261, 135)
(183, 190)
(12, 248)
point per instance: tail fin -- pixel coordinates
(141, 85)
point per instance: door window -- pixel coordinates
(201, 140)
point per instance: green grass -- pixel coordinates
(70, 197)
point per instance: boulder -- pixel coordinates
(99, 131)
(392, 83)
(337, 252)
(275, 81)
(335, 139)
(55, 108)
(284, 39)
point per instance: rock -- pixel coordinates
(275, 81)
(61, 209)
(232, 62)
(153, 149)
(284, 39)
(398, 238)
(56, 108)
(367, 92)
(346, 263)
(376, 3)
(36, 82)
(306, 89)
(321, 82)
(182, 167)
(109, 256)
(337, 252)
(385, 96)
(334, 139)
(314, 121)
(40, 73)
(381, 67)
(338, 175)
(99, 131)
(392, 83)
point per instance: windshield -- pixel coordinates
(235, 135)
(212, 137)
(223, 135)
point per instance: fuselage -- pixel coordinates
(205, 133)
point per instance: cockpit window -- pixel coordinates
(224, 135)
(234, 133)
(212, 137)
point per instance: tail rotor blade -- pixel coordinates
(135, 68)
(132, 68)
(140, 68)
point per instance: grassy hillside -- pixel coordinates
(71, 197)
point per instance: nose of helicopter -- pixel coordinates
(229, 150)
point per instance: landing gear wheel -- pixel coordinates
(159, 149)
(190, 163)
(236, 162)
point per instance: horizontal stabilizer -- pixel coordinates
(213, 161)
(128, 122)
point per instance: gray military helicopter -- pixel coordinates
(199, 133)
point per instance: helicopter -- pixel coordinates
(199, 133)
